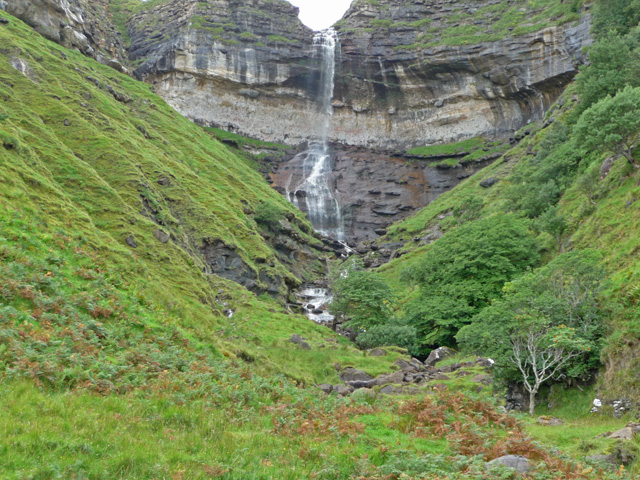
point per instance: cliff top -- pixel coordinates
(431, 23)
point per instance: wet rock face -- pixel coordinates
(80, 24)
(225, 262)
(374, 188)
(249, 67)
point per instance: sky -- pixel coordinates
(321, 14)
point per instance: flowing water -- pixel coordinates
(314, 194)
(315, 301)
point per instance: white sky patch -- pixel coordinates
(321, 14)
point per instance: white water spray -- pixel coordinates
(314, 192)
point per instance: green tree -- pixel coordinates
(555, 224)
(361, 298)
(541, 352)
(613, 64)
(612, 125)
(615, 15)
(393, 333)
(463, 272)
(557, 301)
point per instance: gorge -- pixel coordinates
(186, 184)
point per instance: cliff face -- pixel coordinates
(416, 73)
(408, 74)
(79, 24)
(375, 190)
(240, 65)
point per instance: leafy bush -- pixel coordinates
(269, 213)
(612, 125)
(615, 15)
(390, 334)
(463, 271)
(361, 297)
(614, 63)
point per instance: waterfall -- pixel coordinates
(314, 194)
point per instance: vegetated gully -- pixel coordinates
(310, 181)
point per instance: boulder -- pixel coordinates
(488, 182)
(351, 374)
(549, 421)
(342, 390)
(484, 362)
(517, 462)
(439, 354)
(417, 363)
(298, 340)
(395, 377)
(248, 92)
(406, 366)
(357, 384)
(326, 388)
(131, 241)
(398, 390)
(626, 433)
(161, 236)
(378, 352)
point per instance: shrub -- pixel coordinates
(384, 335)
(269, 213)
(361, 297)
(463, 271)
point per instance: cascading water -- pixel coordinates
(314, 194)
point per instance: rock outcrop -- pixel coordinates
(83, 25)
(417, 73)
(245, 66)
(249, 67)
(375, 189)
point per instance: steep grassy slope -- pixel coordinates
(597, 212)
(93, 162)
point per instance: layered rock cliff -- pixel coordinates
(83, 25)
(409, 73)
(374, 189)
(416, 73)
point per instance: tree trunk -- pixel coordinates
(628, 154)
(532, 402)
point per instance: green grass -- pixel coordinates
(458, 148)
(118, 362)
(489, 23)
(94, 183)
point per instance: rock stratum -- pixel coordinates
(409, 73)
(83, 25)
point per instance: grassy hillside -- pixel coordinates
(118, 355)
(91, 159)
(597, 212)
(470, 24)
